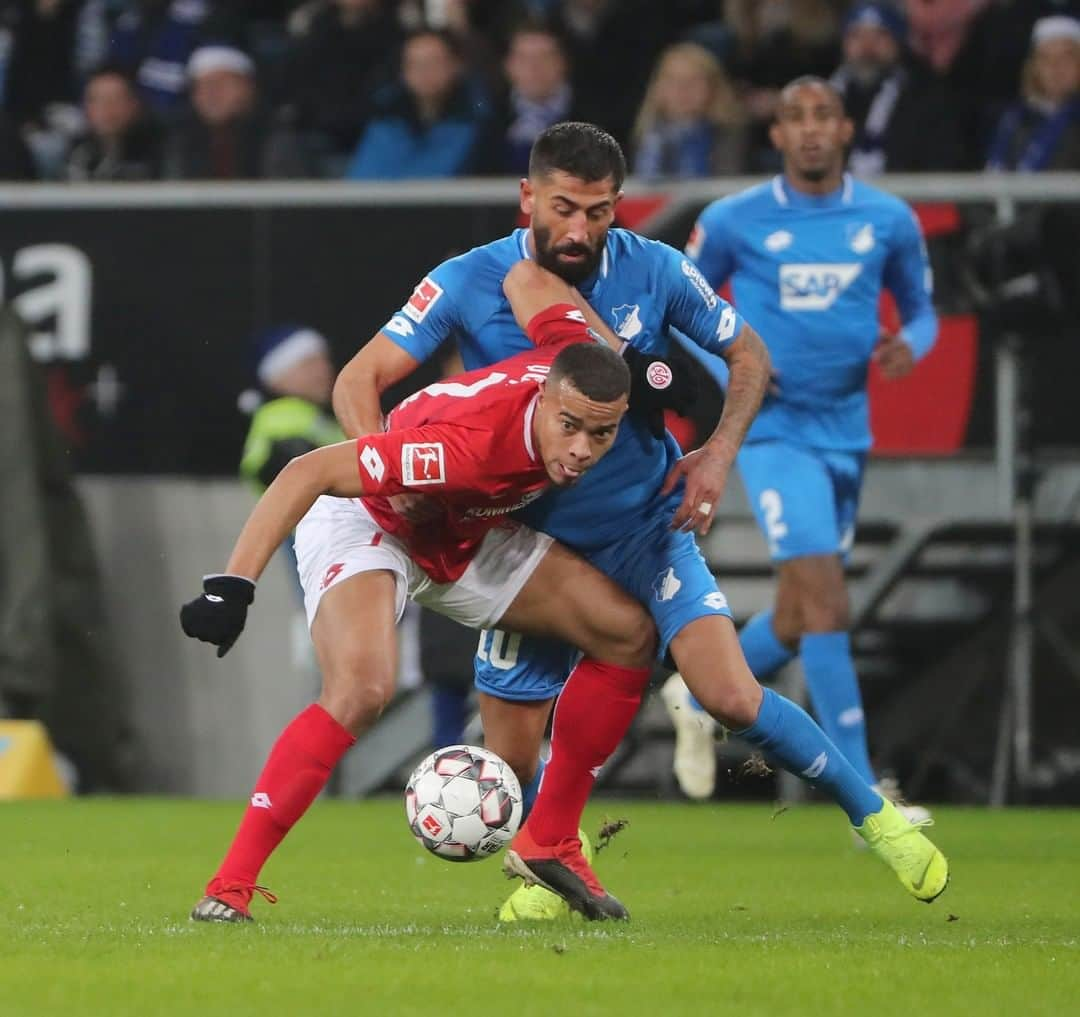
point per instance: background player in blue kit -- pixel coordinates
(807, 255)
(632, 516)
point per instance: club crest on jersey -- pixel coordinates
(423, 299)
(781, 240)
(815, 287)
(666, 585)
(861, 238)
(658, 375)
(422, 463)
(627, 320)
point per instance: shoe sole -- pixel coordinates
(514, 866)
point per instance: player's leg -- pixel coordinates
(523, 581)
(760, 463)
(708, 654)
(354, 592)
(517, 679)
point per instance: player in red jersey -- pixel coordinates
(480, 445)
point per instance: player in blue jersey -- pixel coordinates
(807, 255)
(632, 516)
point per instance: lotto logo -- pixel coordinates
(260, 800)
(373, 463)
(658, 375)
(423, 299)
(331, 574)
(431, 824)
(422, 463)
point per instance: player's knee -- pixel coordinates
(356, 690)
(635, 645)
(827, 612)
(734, 704)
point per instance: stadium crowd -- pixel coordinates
(394, 89)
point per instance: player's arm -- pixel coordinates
(362, 381)
(909, 279)
(411, 335)
(713, 324)
(218, 616)
(541, 303)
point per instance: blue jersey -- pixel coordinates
(808, 271)
(641, 288)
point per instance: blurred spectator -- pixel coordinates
(121, 141)
(41, 65)
(538, 96)
(690, 124)
(1042, 130)
(154, 40)
(41, 83)
(228, 136)
(767, 44)
(611, 45)
(296, 376)
(16, 163)
(904, 118)
(429, 124)
(344, 51)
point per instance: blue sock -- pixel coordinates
(532, 789)
(834, 694)
(789, 736)
(764, 653)
(448, 708)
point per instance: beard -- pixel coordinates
(548, 257)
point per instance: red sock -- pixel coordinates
(299, 765)
(592, 714)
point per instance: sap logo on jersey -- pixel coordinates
(814, 287)
(422, 463)
(423, 299)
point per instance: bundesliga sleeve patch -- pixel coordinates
(423, 299)
(422, 463)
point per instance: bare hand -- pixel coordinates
(893, 355)
(706, 472)
(415, 508)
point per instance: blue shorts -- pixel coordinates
(804, 499)
(661, 568)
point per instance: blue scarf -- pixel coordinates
(1042, 144)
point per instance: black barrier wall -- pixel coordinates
(145, 314)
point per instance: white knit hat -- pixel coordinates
(1059, 26)
(207, 59)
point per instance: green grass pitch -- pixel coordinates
(734, 912)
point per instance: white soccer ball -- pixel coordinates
(463, 803)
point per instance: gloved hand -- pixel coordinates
(218, 616)
(655, 387)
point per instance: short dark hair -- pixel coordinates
(594, 369)
(581, 150)
(111, 69)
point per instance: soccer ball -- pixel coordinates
(463, 803)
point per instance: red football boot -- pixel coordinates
(562, 869)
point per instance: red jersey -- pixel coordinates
(467, 443)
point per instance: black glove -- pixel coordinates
(655, 386)
(218, 616)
